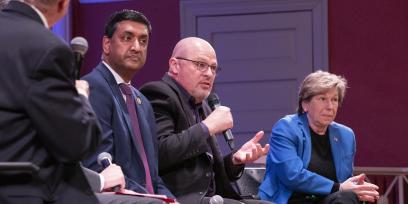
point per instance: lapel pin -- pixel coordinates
(335, 139)
(138, 101)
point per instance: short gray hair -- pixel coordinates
(320, 82)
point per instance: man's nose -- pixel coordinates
(136, 45)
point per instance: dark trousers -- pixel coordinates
(206, 200)
(339, 197)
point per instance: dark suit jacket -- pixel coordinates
(183, 163)
(118, 139)
(43, 120)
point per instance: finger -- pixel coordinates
(366, 198)
(359, 188)
(369, 193)
(258, 149)
(254, 152)
(354, 178)
(258, 136)
(247, 158)
(361, 179)
(367, 186)
(265, 150)
(371, 184)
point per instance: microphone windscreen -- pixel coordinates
(102, 156)
(80, 45)
(216, 199)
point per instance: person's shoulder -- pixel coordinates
(156, 89)
(94, 76)
(43, 36)
(290, 119)
(341, 126)
(154, 86)
(345, 130)
(289, 123)
(98, 85)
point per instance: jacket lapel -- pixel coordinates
(306, 147)
(107, 75)
(335, 143)
(23, 9)
(184, 102)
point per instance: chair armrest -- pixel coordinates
(19, 166)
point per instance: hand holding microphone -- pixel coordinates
(82, 87)
(114, 178)
(220, 120)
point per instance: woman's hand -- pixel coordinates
(364, 190)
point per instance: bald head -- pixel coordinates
(192, 45)
(190, 65)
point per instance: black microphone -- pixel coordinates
(105, 159)
(214, 102)
(79, 46)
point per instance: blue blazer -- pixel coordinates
(289, 157)
(118, 138)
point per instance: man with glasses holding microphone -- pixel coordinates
(190, 160)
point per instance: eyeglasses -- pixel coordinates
(202, 66)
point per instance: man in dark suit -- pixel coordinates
(43, 119)
(126, 116)
(190, 160)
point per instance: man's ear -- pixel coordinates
(106, 45)
(62, 6)
(174, 67)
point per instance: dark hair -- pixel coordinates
(124, 15)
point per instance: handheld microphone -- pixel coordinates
(79, 46)
(105, 159)
(216, 199)
(214, 102)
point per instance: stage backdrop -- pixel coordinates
(90, 16)
(368, 44)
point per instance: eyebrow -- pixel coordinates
(132, 34)
(205, 61)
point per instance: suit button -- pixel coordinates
(208, 174)
(201, 193)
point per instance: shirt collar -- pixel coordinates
(43, 19)
(186, 95)
(118, 79)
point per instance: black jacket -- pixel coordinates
(43, 120)
(183, 163)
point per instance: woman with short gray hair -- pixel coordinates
(311, 156)
(320, 82)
